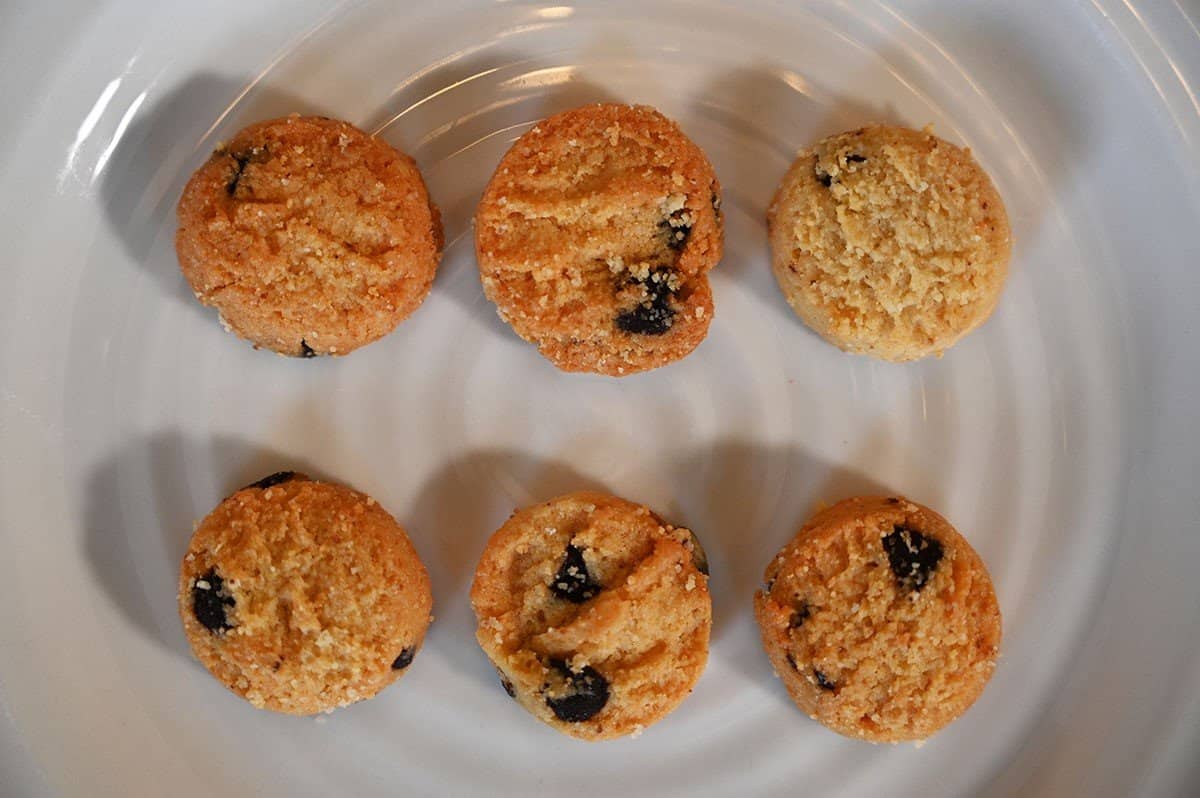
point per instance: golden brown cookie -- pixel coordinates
(880, 619)
(595, 612)
(303, 596)
(595, 237)
(889, 242)
(308, 236)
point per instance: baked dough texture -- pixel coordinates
(303, 596)
(308, 236)
(889, 242)
(880, 619)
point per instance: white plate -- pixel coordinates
(1061, 438)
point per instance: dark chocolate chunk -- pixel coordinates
(507, 685)
(799, 616)
(209, 602)
(677, 227)
(854, 157)
(792, 661)
(581, 694)
(823, 681)
(893, 500)
(646, 320)
(404, 660)
(654, 315)
(278, 478)
(912, 556)
(573, 582)
(823, 177)
(306, 350)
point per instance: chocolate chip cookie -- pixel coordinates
(889, 242)
(595, 612)
(880, 619)
(303, 596)
(308, 236)
(595, 237)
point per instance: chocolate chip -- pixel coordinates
(715, 201)
(507, 685)
(573, 582)
(699, 557)
(580, 694)
(677, 227)
(799, 616)
(792, 661)
(404, 660)
(306, 350)
(654, 315)
(823, 177)
(646, 320)
(209, 602)
(912, 556)
(856, 158)
(278, 478)
(823, 681)
(893, 500)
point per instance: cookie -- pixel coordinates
(308, 236)
(303, 596)
(889, 242)
(595, 612)
(880, 619)
(595, 236)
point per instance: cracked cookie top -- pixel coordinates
(308, 236)
(595, 237)
(880, 619)
(302, 596)
(595, 612)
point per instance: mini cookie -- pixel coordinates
(889, 242)
(880, 619)
(595, 613)
(308, 236)
(303, 596)
(595, 236)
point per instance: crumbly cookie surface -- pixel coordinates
(889, 242)
(303, 596)
(595, 236)
(595, 613)
(308, 236)
(880, 619)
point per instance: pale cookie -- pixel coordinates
(303, 596)
(880, 619)
(889, 242)
(595, 237)
(595, 612)
(308, 236)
